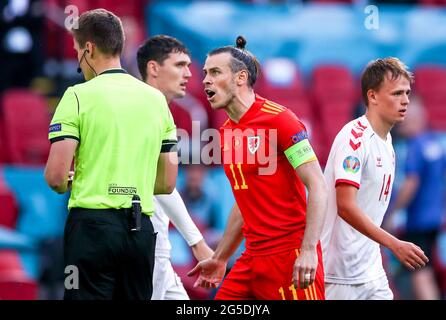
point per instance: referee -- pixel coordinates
(114, 126)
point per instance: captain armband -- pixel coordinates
(300, 153)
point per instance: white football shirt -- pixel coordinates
(171, 207)
(160, 223)
(361, 158)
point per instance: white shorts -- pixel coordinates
(373, 290)
(167, 284)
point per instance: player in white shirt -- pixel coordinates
(164, 64)
(360, 172)
(167, 284)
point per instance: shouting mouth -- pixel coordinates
(209, 93)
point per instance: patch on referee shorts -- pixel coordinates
(351, 164)
(55, 127)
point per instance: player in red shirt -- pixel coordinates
(269, 161)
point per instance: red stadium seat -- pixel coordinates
(218, 118)
(10, 264)
(433, 2)
(195, 85)
(53, 32)
(333, 82)
(437, 115)
(14, 283)
(335, 96)
(82, 5)
(25, 122)
(3, 154)
(430, 85)
(18, 289)
(56, 34)
(8, 207)
(430, 79)
(285, 88)
(181, 116)
(333, 117)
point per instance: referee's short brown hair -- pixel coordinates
(373, 75)
(101, 27)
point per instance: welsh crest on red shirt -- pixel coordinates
(253, 144)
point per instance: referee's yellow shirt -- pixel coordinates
(121, 124)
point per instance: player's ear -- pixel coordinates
(371, 96)
(152, 68)
(89, 49)
(242, 77)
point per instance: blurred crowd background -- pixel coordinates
(311, 52)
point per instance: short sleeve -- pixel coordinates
(65, 122)
(169, 139)
(349, 161)
(293, 139)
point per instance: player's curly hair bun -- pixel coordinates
(240, 43)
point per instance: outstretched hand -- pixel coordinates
(211, 272)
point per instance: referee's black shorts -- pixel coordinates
(112, 262)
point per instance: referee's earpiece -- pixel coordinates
(79, 70)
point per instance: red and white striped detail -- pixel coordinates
(357, 133)
(345, 181)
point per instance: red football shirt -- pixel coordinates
(270, 195)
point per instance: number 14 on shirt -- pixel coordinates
(385, 187)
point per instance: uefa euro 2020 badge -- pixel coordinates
(351, 164)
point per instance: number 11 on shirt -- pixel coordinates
(236, 185)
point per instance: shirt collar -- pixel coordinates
(113, 71)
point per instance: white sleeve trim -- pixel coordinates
(174, 207)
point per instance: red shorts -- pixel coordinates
(269, 277)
